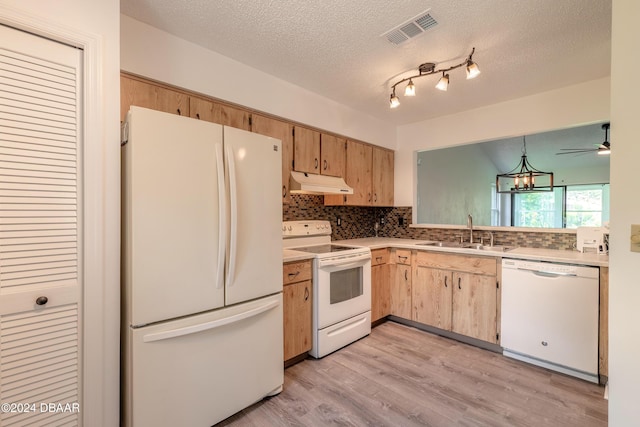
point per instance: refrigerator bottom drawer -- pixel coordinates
(202, 369)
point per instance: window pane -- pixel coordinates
(586, 205)
(538, 209)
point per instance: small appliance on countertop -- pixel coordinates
(592, 239)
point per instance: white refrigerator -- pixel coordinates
(202, 270)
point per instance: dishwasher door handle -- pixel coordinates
(548, 273)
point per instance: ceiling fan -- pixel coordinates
(603, 148)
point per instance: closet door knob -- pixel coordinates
(42, 300)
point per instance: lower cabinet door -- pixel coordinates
(431, 297)
(297, 318)
(380, 292)
(474, 306)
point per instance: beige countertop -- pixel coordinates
(552, 255)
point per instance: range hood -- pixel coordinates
(310, 183)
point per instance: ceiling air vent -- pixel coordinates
(410, 29)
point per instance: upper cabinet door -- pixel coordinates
(358, 174)
(382, 177)
(235, 117)
(332, 154)
(220, 113)
(282, 131)
(203, 109)
(306, 150)
(143, 94)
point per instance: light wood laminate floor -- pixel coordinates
(400, 376)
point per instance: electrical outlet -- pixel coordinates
(339, 221)
(400, 220)
(381, 220)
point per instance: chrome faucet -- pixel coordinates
(470, 227)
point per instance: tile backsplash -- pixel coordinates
(358, 222)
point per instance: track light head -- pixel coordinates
(410, 90)
(393, 100)
(443, 83)
(472, 69)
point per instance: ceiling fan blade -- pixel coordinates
(570, 151)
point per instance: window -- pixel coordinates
(569, 206)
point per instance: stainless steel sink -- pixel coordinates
(444, 244)
(474, 246)
(481, 247)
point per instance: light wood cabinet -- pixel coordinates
(297, 309)
(306, 150)
(369, 171)
(382, 176)
(358, 173)
(401, 292)
(380, 284)
(318, 153)
(457, 293)
(282, 131)
(603, 352)
(219, 113)
(431, 297)
(332, 155)
(145, 94)
(474, 306)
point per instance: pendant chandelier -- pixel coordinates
(429, 68)
(523, 177)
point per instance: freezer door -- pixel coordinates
(254, 260)
(200, 370)
(172, 245)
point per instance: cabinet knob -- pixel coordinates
(316, 164)
(406, 275)
(459, 280)
(306, 293)
(445, 282)
(325, 165)
(198, 116)
(179, 112)
(42, 300)
(284, 191)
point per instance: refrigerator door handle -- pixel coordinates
(233, 220)
(174, 333)
(222, 216)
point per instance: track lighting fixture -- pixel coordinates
(429, 68)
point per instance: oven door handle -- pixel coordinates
(343, 264)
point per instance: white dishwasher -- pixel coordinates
(550, 316)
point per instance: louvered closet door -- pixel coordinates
(39, 230)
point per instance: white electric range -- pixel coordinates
(341, 285)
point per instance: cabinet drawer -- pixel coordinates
(403, 256)
(296, 271)
(379, 256)
(470, 264)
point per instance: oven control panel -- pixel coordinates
(305, 228)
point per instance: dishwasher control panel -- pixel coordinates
(550, 268)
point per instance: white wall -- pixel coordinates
(624, 291)
(150, 52)
(455, 182)
(94, 22)
(581, 104)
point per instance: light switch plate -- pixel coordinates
(635, 237)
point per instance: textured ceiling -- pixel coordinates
(334, 47)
